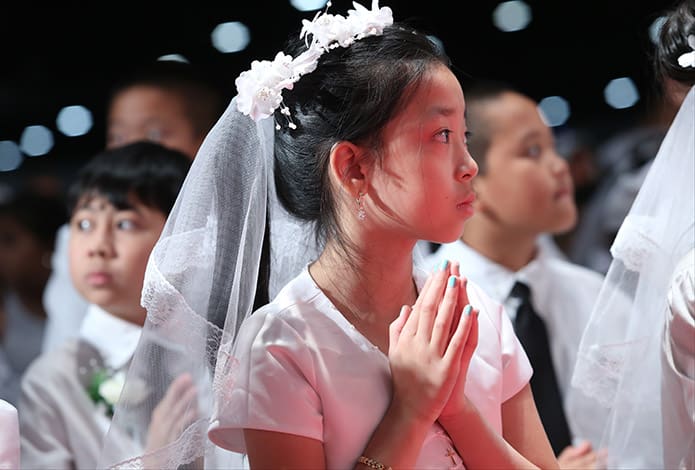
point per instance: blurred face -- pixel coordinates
(150, 113)
(108, 253)
(423, 183)
(527, 186)
(23, 257)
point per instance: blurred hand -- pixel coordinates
(579, 457)
(173, 414)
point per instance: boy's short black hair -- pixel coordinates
(478, 93)
(148, 171)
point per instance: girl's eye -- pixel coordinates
(444, 136)
(467, 135)
(125, 224)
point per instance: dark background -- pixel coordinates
(63, 54)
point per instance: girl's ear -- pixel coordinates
(348, 167)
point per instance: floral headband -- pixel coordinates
(259, 90)
(688, 59)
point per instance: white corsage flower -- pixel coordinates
(110, 389)
(688, 59)
(259, 90)
(104, 388)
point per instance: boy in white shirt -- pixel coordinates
(118, 205)
(524, 190)
(167, 102)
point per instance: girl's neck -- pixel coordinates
(369, 289)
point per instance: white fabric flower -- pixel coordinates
(259, 90)
(372, 21)
(688, 59)
(110, 389)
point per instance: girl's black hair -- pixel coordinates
(478, 94)
(148, 171)
(351, 96)
(672, 42)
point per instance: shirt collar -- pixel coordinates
(494, 278)
(114, 338)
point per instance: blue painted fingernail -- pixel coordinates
(467, 310)
(444, 265)
(452, 281)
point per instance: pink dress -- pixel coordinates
(302, 368)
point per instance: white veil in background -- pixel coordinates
(202, 273)
(619, 363)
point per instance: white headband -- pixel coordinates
(259, 90)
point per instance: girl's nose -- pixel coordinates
(467, 169)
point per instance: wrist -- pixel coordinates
(408, 413)
(397, 440)
(451, 420)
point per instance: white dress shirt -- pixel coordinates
(60, 425)
(114, 338)
(563, 295)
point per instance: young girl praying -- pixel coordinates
(358, 132)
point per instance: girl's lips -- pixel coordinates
(467, 205)
(97, 279)
(467, 201)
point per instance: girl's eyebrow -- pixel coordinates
(440, 110)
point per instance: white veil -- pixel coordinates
(218, 259)
(202, 273)
(618, 364)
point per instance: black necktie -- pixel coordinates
(532, 333)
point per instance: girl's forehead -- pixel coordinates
(439, 93)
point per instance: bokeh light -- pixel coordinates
(10, 156)
(74, 121)
(555, 110)
(621, 93)
(511, 16)
(36, 140)
(173, 58)
(229, 37)
(308, 5)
